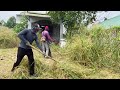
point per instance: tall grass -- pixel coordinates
(84, 55)
(8, 38)
(96, 48)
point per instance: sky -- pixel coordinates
(5, 15)
(108, 15)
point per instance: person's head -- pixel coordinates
(46, 28)
(36, 27)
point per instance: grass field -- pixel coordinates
(93, 54)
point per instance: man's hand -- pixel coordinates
(28, 44)
(56, 42)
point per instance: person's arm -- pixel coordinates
(37, 43)
(48, 36)
(21, 35)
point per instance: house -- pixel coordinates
(108, 23)
(56, 30)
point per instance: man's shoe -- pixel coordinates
(46, 56)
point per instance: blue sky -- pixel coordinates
(5, 15)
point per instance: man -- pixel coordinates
(27, 37)
(45, 42)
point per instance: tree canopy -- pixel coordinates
(71, 19)
(11, 22)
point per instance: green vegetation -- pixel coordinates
(11, 22)
(90, 54)
(8, 38)
(22, 25)
(73, 20)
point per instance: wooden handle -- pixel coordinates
(41, 52)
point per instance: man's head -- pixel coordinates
(36, 27)
(46, 28)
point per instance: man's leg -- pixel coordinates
(20, 55)
(31, 61)
(49, 54)
(47, 48)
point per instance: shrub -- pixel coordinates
(100, 48)
(8, 38)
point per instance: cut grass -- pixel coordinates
(48, 69)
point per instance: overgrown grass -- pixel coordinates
(8, 38)
(90, 54)
(97, 48)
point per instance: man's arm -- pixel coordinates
(21, 35)
(48, 36)
(37, 43)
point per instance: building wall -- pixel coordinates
(56, 32)
(18, 19)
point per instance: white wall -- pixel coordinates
(62, 31)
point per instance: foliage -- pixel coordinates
(3, 23)
(92, 54)
(11, 22)
(97, 48)
(8, 38)
(22, 25)
(73, 19)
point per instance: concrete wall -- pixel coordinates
(18, 19)
(56, 32)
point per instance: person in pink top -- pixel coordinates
(45, 42)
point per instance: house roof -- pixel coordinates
(34, 14)
(115, 21)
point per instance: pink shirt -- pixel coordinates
(46, 34)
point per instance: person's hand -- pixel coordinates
(56, 42)
(27, 43)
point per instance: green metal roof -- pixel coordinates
(115, 21)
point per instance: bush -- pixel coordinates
(11, 22)
(100, 48)
(8, 38)
(22, 25)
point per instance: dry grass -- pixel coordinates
(8, 38)
(92, 56)
(48, 69)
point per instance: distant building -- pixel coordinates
(108, 23)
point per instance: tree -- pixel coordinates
(11, 22)
(71, 19)
(2, 23)
(22, 25)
